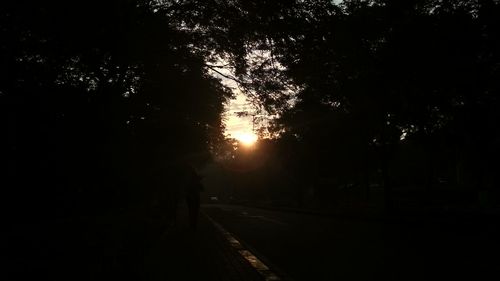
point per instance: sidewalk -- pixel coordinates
(204, 254)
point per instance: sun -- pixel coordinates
(247, 139)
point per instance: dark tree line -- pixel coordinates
(386, 77)
(381, 72)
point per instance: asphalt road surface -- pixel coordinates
(308, 247)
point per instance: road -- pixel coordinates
(309, 247)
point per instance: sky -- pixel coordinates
(235, 125)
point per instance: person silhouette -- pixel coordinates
(192, 194)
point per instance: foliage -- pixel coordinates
(355, 82)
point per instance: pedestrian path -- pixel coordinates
(202, 254)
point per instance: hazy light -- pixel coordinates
(247, 138)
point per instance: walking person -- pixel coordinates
(192, 194)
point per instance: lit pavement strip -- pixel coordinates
(251, 258)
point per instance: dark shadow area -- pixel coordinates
(378, 125)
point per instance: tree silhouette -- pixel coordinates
(103, 104)
(368, 77)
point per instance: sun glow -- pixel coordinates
(247, 139)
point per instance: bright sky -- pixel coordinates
(237, 126)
